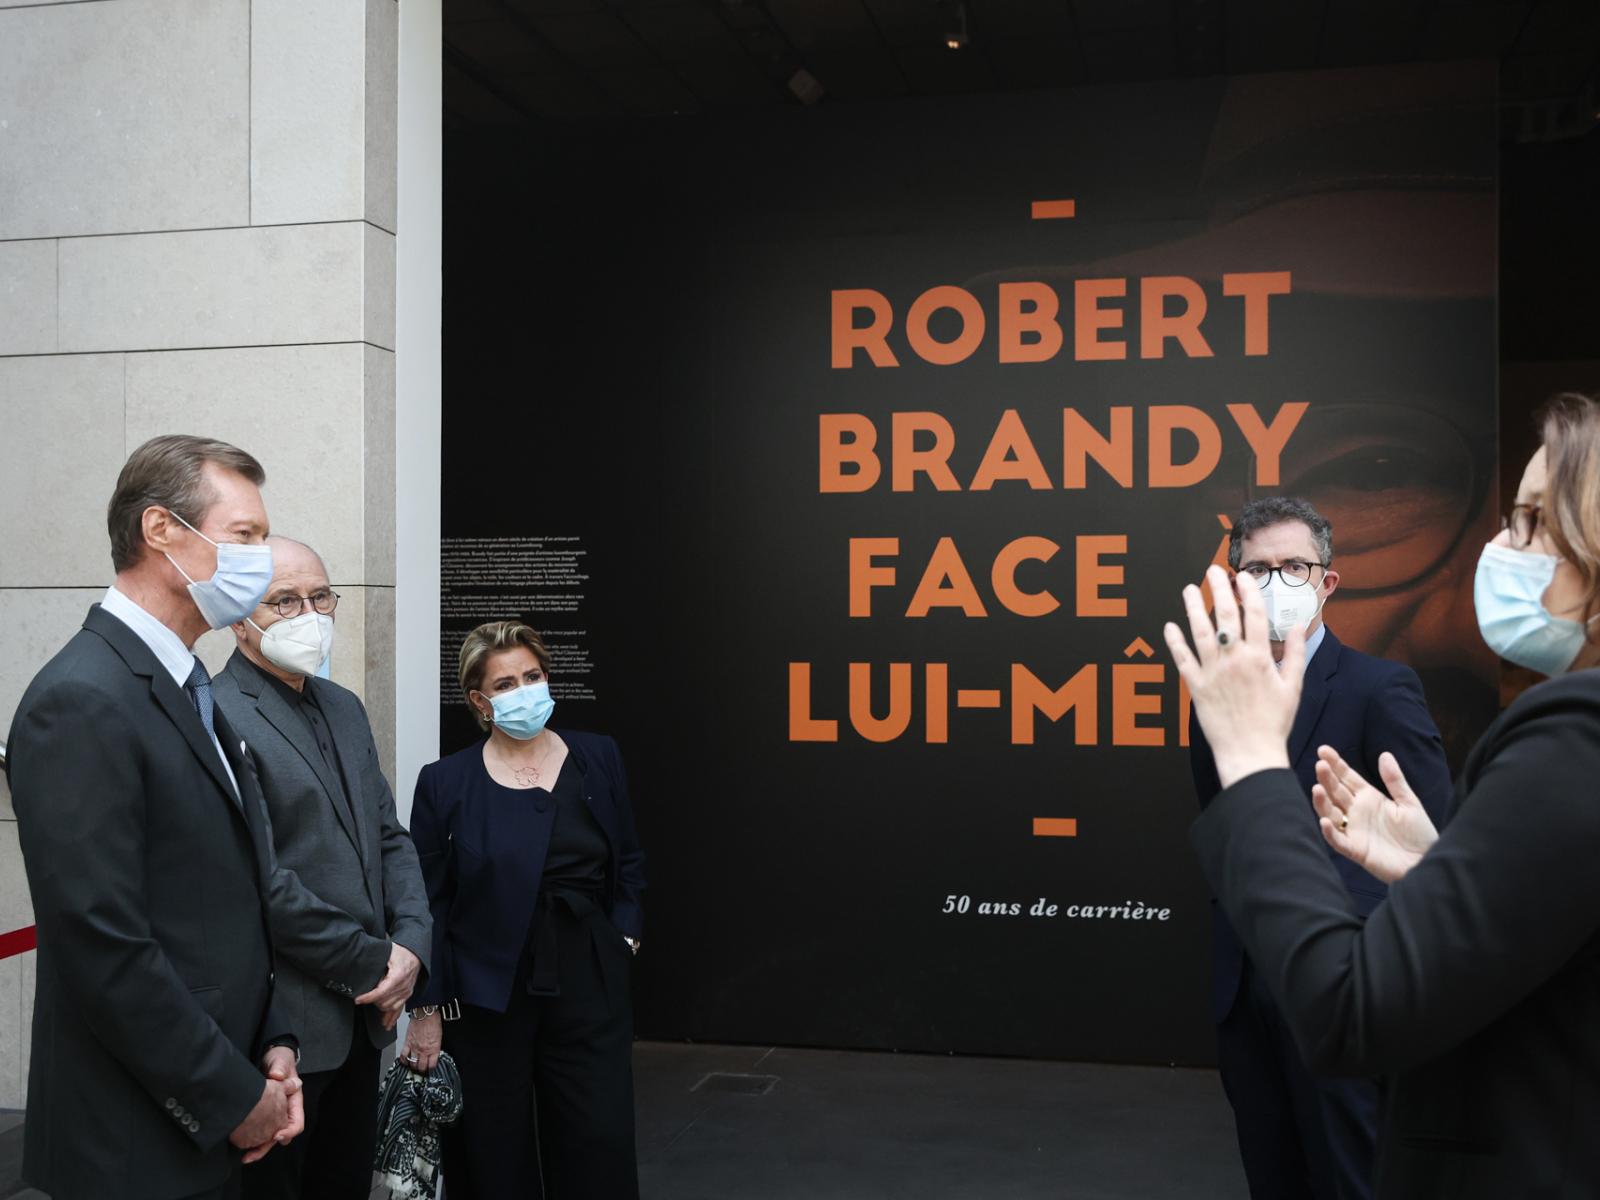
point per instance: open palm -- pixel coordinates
(1386, 835)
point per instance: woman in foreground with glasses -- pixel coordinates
(1475, 986)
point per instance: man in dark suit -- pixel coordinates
(1301, 1136)
(349, 913)
(158, 1056)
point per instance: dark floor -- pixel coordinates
(747, 1123)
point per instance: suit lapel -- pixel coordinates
(275, 710)
(333, 711)
(141, 660)
(1320, 671)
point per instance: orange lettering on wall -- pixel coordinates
(865, 575)
(1128, 704)
(861, 718)
(1004, 576)
(946, 584)
(934, 461)
(1079, 695)
(802, 726)
(1089, 319)
(938, 701)
(846, 439)
(1267, 441)
(1011, 455)
(873, 338)
(972, 323)
(1156, 326)
(1039, 319)
(1081, 441)
(1094, 575)
(1257, 288)
(1164, 419)
(1185, 702)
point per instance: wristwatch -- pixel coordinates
(448, 1012)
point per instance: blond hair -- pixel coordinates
(491, 638)
(1570, 423)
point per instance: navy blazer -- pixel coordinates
(1361, 706)
(483, 861)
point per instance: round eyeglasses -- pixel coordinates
(324, 601)
(1523, 522)
(1293, 573)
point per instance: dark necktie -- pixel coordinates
(199, 688)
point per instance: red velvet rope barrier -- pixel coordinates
(18, 941)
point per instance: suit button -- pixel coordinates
(171, 1104)
(179, 1113)
(194, 1126)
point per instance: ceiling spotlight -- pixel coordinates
(957, 37)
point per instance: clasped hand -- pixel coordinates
(280, 1115)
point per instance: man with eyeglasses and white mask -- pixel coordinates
(346, 901)
(1301, 1136)
(160, 1057)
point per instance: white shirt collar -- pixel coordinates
(1313, 643)
(167, 646)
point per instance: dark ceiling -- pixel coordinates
(531, 62)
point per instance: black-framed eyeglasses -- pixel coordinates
(324, 601)
(1293, 573)
(1522, 521)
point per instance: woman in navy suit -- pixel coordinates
(534, 875)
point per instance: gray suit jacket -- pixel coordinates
(341, 889)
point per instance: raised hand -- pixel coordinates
(1385, 835)
(1246, 703)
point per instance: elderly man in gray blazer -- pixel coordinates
(346, 903)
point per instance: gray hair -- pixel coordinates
(1275, 510)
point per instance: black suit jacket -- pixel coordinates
(1476, 983)
(483, 859)
(345, 881)
(1361, 706)
(153, 999)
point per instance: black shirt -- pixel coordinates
(303, 703)
(579, 852)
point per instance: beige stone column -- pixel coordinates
(198, 235)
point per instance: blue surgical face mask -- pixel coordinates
(1509, 596)
(242, 577)
(522, 713)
